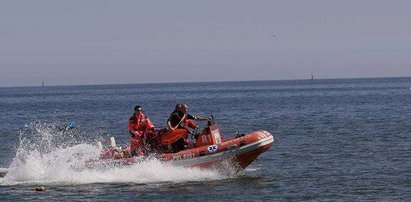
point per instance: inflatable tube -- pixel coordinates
(172, 136)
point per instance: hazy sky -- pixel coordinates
(102, 41)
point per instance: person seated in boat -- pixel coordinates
(180, 118)
(139, 125)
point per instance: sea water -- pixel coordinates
(342, 139)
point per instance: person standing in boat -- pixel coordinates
(180, 118)
(139, 125)
(175, 117)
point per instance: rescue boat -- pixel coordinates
(209, 150)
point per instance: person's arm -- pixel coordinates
(169, 125)
(131, 129)
(202, 118)
(149, 124)
(136, 133)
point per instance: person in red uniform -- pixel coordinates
(138, 126)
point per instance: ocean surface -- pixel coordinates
(335, 140)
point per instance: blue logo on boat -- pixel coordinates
(212, 149)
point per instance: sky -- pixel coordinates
(81, 42)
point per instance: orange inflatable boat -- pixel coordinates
(209, 150)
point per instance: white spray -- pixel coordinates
(48, 156)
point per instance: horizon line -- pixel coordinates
(183, 82)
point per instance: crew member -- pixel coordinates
(180, 118)
(138, 126)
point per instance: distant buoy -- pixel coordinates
(40, 188)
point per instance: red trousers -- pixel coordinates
(137, 145)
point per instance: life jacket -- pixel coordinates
(140, 123)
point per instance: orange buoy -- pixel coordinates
(173, 136)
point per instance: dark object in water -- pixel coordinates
(67, 127)
(40, 188)
(3, 172)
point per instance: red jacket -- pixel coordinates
(139, 123)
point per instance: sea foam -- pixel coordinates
(47, 156)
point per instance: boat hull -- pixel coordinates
(240, 151)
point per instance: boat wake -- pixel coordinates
(39, 160)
